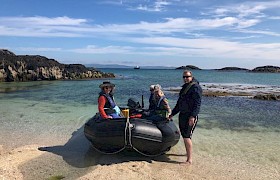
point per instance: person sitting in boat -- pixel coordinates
(106, 103)
(162, 106)
(162, 109)
(152, 101)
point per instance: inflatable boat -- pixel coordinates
(142, 135)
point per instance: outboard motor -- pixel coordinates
(133, 104)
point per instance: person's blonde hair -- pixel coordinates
(157, 87)
(152, 87)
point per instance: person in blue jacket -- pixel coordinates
(188, 104)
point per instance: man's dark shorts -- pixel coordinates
(185, 129)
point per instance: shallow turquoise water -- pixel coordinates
(49, 113)
(232, 113)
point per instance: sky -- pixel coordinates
(204, 33)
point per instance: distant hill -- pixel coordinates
(107, 66)
(266, 69)
(271, 69)
(232, 69)
(100, 66)
(35, 67)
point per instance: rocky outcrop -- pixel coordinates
(269, 97)
(33, 68)
(262, 92)
(232, 69)
(270, 69)
(6, 52)
(189, 67)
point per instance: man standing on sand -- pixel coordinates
(188, 105)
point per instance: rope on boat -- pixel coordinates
(148, 155)
(125, 141)
(128, 127)
(130, 143)
(108, 153)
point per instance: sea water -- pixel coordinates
(235, 127)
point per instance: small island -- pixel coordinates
(35, 67)
(188, 67)
(232, 69)
(262, 69)
(271, 69)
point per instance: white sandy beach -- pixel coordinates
(75, 160)
(204, 168)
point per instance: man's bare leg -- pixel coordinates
(188, 146)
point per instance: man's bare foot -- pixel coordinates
(186, 163)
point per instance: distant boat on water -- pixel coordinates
(137, 67)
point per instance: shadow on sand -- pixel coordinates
(79, 153)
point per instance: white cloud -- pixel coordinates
(41, 26)
(221, 11)
(69, 27)
(274, 17)
(92, 49)
(36, 32)
(213, 48)
(157, 6)
(247, 23)
(247, 9)
(114, 2)
(39, 20)
(178, 47)
(260, 32)
(182, 48)
(151, 37)
(181, 25)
